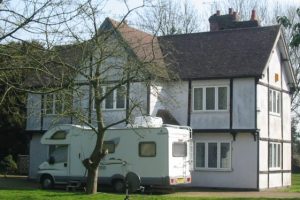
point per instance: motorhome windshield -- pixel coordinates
(179, 149)
(58, 152)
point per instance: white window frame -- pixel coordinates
(114, 99)
(218, 168)
(275, 156)
(216, 98)
(53, 102)
(277, 109)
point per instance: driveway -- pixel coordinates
(239, 194)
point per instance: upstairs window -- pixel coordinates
(114, 100)
(210, 98)
(54, 103)
(274, 101)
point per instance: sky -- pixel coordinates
(117, 7)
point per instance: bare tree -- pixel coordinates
(167, 17)
(94, 70)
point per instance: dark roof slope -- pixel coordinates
(145, 46)
(220, 54)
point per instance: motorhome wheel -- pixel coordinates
(47, 182)
(119, 186)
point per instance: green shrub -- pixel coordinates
(8, 165)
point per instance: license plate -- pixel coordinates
(180, 180)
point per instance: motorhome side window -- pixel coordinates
(59, 153)
(110, 146)
(147, 149)
(179, 149)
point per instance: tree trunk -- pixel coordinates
(92, 180)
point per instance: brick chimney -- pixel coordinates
(231, 21)
(253, 15)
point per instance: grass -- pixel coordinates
(59, 195)
(18, 193)
(295, 184)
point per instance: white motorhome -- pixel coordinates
(159, 156)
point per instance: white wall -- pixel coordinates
(243, 103)
(33, 118)
(286, 113)
(37, 154)
(263, 156)
(275, 68)
(172, 96)
(279, 124)
(275, 180)
(262, 110)
(244, 163)
(287, 152)
(210, 119)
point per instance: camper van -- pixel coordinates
(160, 156)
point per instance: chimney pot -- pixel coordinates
(234, 16)
(230, 11)
(253, 15)
(218, 13)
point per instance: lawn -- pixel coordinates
(295, 183)
(37, 194)
(59, 195)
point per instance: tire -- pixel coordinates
(47, 182)
(119, 186)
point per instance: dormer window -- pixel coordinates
(210, 98)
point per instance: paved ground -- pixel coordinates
(17, 182)
(21, 182)
(236, 194)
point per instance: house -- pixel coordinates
(234, 91)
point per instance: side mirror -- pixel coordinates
(51, 160)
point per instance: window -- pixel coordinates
(56, 103)
(59, 153)
(110, 146)
(210, 98)
(179, 149)
(274, 101)
(114, 100)
(213, 155)
(147, 149)
(274, 155)
(59, 135)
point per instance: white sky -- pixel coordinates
(117, 7)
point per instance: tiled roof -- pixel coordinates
(145, 46)
(220, 54)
